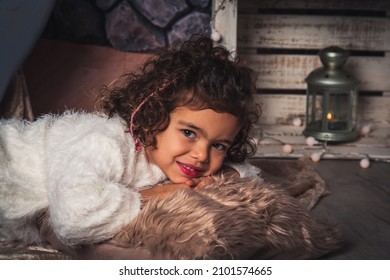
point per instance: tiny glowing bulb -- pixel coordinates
(215, 35)
(311, 141)
(297, 121)
(287, 149)
(316, 157)
(365, 163)
(365, 130)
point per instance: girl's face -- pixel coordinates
(194, 144)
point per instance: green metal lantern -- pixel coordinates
(332, 97)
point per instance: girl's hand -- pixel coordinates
(197, 183)
(164, 190)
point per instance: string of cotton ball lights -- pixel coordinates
(214, 34)
(317, 150)
(316, 156)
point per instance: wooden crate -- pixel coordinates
(280, 40)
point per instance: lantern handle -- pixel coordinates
(333, 57)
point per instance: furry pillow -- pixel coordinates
(229, 219)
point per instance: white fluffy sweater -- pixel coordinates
(82, 167)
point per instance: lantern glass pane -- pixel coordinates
(314, 109)
(338, 111)
(353, 110)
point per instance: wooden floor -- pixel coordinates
(64, 76)
(359, 203)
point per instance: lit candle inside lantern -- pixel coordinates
(331, 122)
(334, 124)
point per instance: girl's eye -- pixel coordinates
(220, 147)
(189, 133)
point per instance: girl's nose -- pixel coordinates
(200, 152)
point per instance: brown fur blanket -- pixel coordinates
(237, 219)
(296, 177)
(229, 219)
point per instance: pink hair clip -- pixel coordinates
(137, 143)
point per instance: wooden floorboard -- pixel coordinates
(359, 203)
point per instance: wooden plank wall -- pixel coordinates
(280, 40)
(224, 20)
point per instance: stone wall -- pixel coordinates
(128, 25)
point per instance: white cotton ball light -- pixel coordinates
(297, 121)
(311, 141)
(287, 149)
(215, 35)
(365, 163)
(366, 129)
(316, 157)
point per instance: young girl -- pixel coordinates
(186, 115)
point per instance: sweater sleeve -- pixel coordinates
(88, 202)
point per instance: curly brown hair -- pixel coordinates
(195, 74)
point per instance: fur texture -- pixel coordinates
(82, 167)
(79, 166)
(229, 219)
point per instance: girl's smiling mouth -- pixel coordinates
(189, 170)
